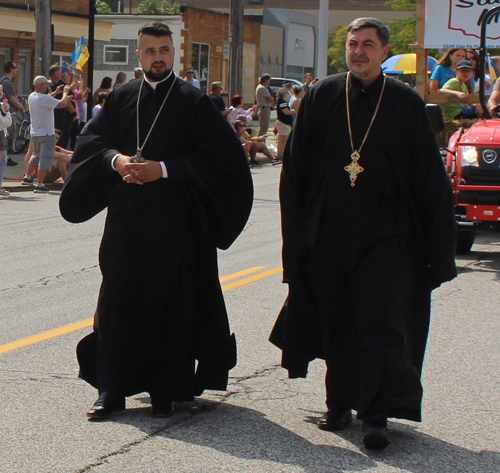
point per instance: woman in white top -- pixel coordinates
(237, 109)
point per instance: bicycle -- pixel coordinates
(22, 134)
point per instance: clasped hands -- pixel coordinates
(137, 173)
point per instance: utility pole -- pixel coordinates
(43, 13)
(236, 48)
(322, 57)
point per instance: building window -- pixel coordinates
(201, 55)
(114, 54)
(61, 59)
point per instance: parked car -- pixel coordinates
(277, 83)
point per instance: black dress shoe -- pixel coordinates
(105, 406)
(161, 409)
(375, 436)
(11, 162)
(335, 419)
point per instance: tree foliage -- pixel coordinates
(151, 7)
(336, 51)
(402, 5)
(103, 8)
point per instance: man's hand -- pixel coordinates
(137, 173)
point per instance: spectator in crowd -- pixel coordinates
(62, 158)
(308, 82)
(287, 85)
(121, 78)
(80, 99)
(11, 71)
(104, 87)
(284, 121)
(216, 98)
(63, 117)
(41, 106)
(475, 81)
(101, 98)
(296, 99)
(458, 86)
(5, 122)
(138, 73)
(264, 101)
(253, 145)
(445, 69)
(237, 109)
(190, 77)
(494, 101)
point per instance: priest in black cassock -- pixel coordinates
(368, 232)
(176, 184)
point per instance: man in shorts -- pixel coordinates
(42, 108)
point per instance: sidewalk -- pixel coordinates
(14, 175)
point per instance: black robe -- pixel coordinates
(160, 307)
(329, 229)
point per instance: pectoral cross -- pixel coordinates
(354, 168)
(137, 158)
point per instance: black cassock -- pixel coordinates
(357, 258)
(161, 318)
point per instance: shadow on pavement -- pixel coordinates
(249, 435)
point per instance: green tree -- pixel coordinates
(102, 8)
(151, 7)
(336, 51)
(402, 5)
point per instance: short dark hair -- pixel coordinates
(236, 100)
(155, 28)
(383, 33)
(9, 65)
(101, 97)
(264, 77)
(58, 132)
(53, 70)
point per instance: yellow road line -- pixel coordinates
(241, 273)
(24, 342)
(242, 282)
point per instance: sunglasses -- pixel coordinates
(189, 72)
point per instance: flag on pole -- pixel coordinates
(80, 54)
(493, 69)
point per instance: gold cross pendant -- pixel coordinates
(354, 168)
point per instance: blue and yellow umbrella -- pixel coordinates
(405, 64)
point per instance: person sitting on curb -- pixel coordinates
(62, 158)
(253, 145)
(42, 130)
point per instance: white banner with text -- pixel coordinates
(456, 24)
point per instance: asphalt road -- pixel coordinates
(49, 279)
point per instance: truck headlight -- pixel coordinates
(470, 156)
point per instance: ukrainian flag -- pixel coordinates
(80, 55)
(493, 69)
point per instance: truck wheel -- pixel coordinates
(465, 240)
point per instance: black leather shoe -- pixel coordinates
(161, 409)
(375, 436)
(11, 162)
(104, 407)
(335, 419)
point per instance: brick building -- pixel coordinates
(200, 39)
(18, 33)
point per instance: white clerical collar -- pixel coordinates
(153, 84)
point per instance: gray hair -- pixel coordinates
(383, 33)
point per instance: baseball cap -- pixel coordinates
(463, 64)
(40, 80)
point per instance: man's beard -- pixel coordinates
(156, 76)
